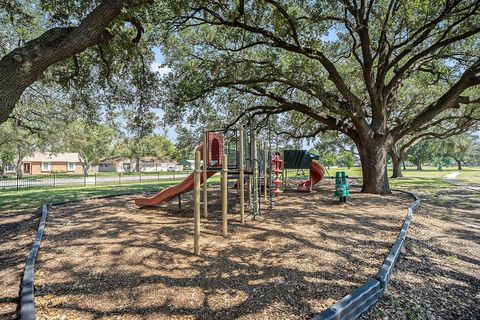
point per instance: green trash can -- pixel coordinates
(341, 186)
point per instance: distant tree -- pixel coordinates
(34, 126)
(335, 149)
(329, 160)
(475, 159)
(346, 159)
(92, 142)
(453, 123)
(441, 153)
(460, 148)
(16, 143)
(162, 147)
(187, 140)
(421, 153)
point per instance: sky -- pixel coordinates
(157, 66)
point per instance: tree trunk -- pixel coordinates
(403, 164)
(418, 162)
(459, 164)
(85, 169)
(397, 164)
(440, 165)
(19, 168)
(373, 157)
(137, 164)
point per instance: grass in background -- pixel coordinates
(99, 174)
(470, 176)
(429, 177)
(31, 199)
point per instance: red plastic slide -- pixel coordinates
(173, 191)
(316, 175)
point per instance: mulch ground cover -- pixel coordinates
(106, 258)
(17, 231)
(438, 273)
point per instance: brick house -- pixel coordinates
(41, 163)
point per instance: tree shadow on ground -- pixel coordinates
(107, 258)
(17, 232)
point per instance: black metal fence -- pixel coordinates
(71, 180)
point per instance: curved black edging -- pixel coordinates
(27, 289)
(363, 298)
(27, 303)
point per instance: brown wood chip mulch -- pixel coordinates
(109, 259)
(438, 273)
(17, 232)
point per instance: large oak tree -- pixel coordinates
(348, 64)
(93, 37)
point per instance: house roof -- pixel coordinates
(115, 160)
(142, 160)
(59, 157)
(187, 161)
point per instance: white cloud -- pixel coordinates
(162, 70)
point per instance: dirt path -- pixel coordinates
(17, 232)
(108, 259)
(438, 274)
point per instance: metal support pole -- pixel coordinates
(84, 180)
(54, 180)
(224, 195)
(265, 159)
(256, 177)
(179, 201)
(249, 169)
(196, 204)
(95, 179)
(205, 168)
(241, 183)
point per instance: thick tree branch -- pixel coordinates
(449, 99)
(334, 75)
(24, 65)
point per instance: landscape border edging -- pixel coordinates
(366, 296)
(27, 287)
(27, 296)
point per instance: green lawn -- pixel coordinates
(429, 177)
(31, 199)
(470, 175)
(412, 177)
(99, 174)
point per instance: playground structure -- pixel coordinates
(277, 165)
(300, 160)
(237, 155)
